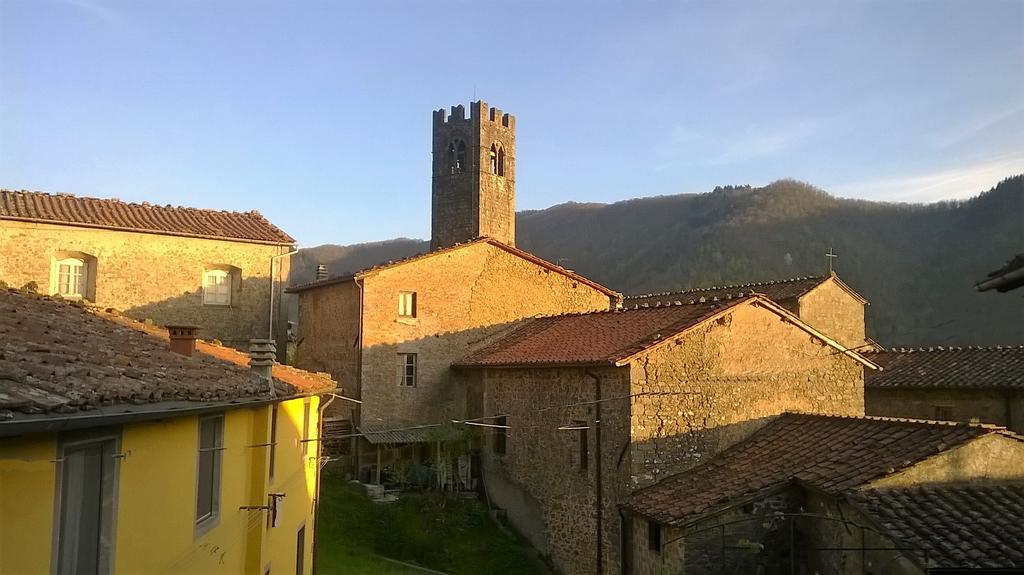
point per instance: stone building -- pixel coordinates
(824, 302)
(983, 384)
(161, 263)
(599, 404)
(390, 333)
(474, 176)
(839, 495)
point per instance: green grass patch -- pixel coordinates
(452, 535)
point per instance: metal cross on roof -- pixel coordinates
(831, 257)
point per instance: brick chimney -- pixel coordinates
(261, 357)
(183, 338)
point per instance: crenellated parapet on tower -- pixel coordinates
(474, 166)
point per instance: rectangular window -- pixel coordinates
(273, 440)
(654, 536)
(85, 534)
(943, 413)
(583, 445)
(305, 429)
(407, 304)
(211, 444)
(407, 369)
(300, 551)
(500, 435)
(216, 287)
(71, 278)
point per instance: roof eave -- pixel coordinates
(290, 241)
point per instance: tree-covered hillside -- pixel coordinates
(916, 263)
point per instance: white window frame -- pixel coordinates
(407, 378)
(110, 442)
(407, 304)
(221, 294)
(206, 522)
(82, 277)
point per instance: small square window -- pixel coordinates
(654, 536)
(216, 287)
(407, 304)
(407, 369)
(943, 413)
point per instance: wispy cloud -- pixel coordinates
(973, 127)
(99, 10)
(950, 184)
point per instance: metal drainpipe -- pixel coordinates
(270, 332)
(357, 411)
(599, 493)
(321, 409)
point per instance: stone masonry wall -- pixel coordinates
(157, 277)
(471, 201)
(986, 406)
(833, 311)
(726, 379)
(542, 462)
(463, 297)
(329, 337)
(994, 458)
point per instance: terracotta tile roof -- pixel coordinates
(512, 250)
(948, 368)
(964, 526)
(784, 292)
(57, 357)
(832, 453)
(614, 337)
(596, 338)
(66, 209)
(1006, 278)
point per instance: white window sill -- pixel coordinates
(407, 320)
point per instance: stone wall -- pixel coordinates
(157, 277)
(542, 463)
(328, 338)
(723, 380)
(463, 297)
(994, 458)
(641, 559)
(987, 406)
(471, 201)
(833, 311)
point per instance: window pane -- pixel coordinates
(208, 469)
(300, 551)
(86, 509)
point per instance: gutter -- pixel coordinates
(321, 409)
(128, 413)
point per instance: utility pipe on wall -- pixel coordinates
(270, 333)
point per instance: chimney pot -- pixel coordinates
(261, 357)
(183, 338)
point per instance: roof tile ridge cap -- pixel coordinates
(143, 204)
(752, 284)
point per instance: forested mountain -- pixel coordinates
(917, 264)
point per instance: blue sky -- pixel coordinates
(318, 113)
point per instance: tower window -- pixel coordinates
(494, 159)
(501, 162)
(460, 157)
(456, 156)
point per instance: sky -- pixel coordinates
(318, 114)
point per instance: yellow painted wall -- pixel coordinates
(156, 495)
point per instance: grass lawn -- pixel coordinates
(450, 535)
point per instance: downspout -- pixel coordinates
(357, 412)
(270, 331)
(599, 491)
(320, 410)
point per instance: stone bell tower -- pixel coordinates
(474, 176)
